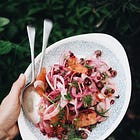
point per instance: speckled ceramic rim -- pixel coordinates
(106, 41)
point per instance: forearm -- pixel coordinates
(9, 134)
(3, 132)
(8, 126)
(3, 135)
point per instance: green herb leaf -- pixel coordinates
(75, 139)
(74, 84)
(105, 76)
(93, 126)
(57, 98)
(68, 96)
(108, 89)
(87, 100)
(72, 134)
(56, 123)
(88, 66)
(102, 112)
(61, 114)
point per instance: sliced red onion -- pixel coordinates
(48, 81)
(48, 114)
(86, 130)
(74, 94)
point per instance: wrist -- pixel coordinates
(3, 134)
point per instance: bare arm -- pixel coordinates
(10, 109)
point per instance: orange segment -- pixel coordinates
(42, 75)
(75, 66)
(39, 90)
(86, 119)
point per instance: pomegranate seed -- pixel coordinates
(113, 73)
(118, 96)
(59, 136)
(112, 91)
(87, 81)
(88, 61)
(112, 102)
(110, 69)
(99, 85)
(82, 61)
(72, 54)
(68, 122)
(95, 69)
(78, 74)
(65, 131)
(84, 135)
(43, 132)
(106, 92)
(98, 78)
(89, 72)
(98, 53)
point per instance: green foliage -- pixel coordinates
(12, 63)
(5, 47)
(3, 21)
(68, 96)
(87, 100)
(135, 134)
(119, 18)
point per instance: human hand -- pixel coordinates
(10, 109)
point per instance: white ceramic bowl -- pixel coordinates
(84, 45)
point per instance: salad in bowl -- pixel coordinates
(83, 89)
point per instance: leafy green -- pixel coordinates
(105, 76)
(5, 47)
(88, 66)
(87, 100)
(56, 123)
(74, 84)
(68, 96)
(61, 114)
(57, 98)
(93, 126)
(102, 112)
(75, 139)
(4, 21)
(73, 135)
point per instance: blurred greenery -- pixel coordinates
(119, 18)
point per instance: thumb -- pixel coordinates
(18, 85)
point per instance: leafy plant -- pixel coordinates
(3, 21)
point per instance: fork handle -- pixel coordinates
(47, 27)
(31, 36)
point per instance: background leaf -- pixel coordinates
(4, 21)
(5, 47)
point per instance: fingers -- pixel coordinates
(18, 85)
